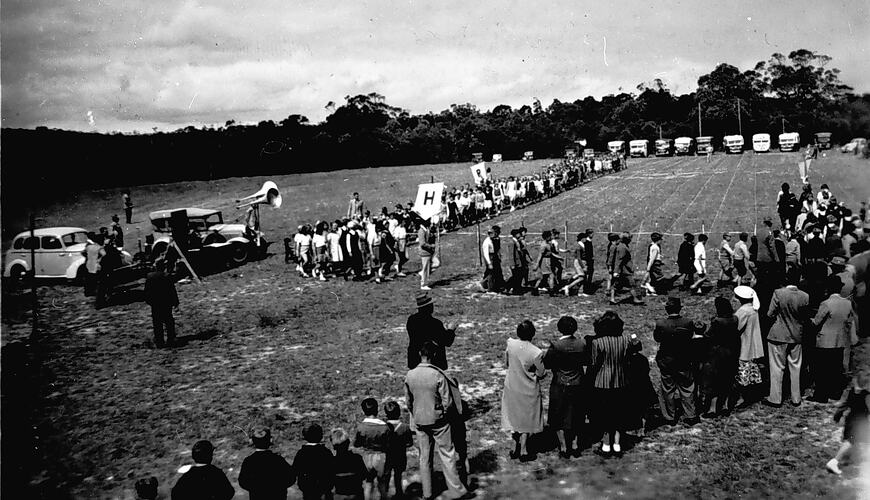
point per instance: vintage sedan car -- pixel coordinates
(854, 146)
(57, 252)
(208, 234)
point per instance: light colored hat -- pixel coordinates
(745, 292)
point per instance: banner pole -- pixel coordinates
(479, 251)
(566, 233)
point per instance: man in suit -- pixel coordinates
(264, 474)
(788, 308)
(516, 262)
(160, 294)
(356, 208)
(422, 327)
(430, 402)
(675, 360)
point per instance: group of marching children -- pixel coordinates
(353, 248)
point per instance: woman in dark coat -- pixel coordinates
(567, 357)
(720, 364)
(610, 352)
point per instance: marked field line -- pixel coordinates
(725, 195)
(689, 205)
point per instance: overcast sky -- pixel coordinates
(133, 65)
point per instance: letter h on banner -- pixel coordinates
(428, 202)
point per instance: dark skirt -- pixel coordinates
(567, 407)
(718, 372)
(611, 408)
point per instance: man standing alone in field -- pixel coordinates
(128, 205)
(355, 208)
(160, 294)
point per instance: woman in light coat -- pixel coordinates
(751, 346)
(522, 404)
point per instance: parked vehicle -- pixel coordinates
(638, 148)
(733, 144)
(570, 152)
(57, 253)
(617, 147)
(476, 157)
(496, 157)
(684, 146)
(588, 153)
(761, 143)
(702, 142)
(664, 147)
(823, 140)
(789, 141)
(208, 236)
(854, 146)
(528, 156)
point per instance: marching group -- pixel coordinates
(362, 245)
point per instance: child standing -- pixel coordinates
(402, 439)
(349, 471)
(373, 437)
(313, 465)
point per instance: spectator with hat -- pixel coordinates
(265, 474)
(675, 361)
(160, 294)
(203, 480)
(423, 327)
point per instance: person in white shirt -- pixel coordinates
(303, 250)
(823, 196)
(700, 264)
(726, 260)
(334, 242)
(654, 273)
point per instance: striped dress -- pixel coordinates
(610, 406)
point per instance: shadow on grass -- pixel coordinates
(456, 278)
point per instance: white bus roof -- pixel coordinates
(616, 143)
(684, 139)
(789, 135)
(760, 136)
(639, 141)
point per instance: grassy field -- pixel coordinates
(265, 347)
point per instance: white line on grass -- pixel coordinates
(725, 196)
(685, 210)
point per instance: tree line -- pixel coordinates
(800, 92)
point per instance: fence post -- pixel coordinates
(566, 234)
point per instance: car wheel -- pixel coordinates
(17, 275)
(239, 253)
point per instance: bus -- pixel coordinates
(639, 148)
(617, 147)
(789, 141)
(684, 146)
(761, 143)
(823, 140)
(733, 144)
(702, 142)
(664, 147)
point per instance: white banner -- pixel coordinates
(481, 172)
(428, 203)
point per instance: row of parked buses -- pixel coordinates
(683, 146)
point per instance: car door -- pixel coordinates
(52, 257)
(27, 244)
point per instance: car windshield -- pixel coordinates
(74, 238)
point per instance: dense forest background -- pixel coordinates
(799, 92)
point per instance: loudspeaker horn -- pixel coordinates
(267, 195)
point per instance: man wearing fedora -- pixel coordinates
(423, 327)
(675, 359)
